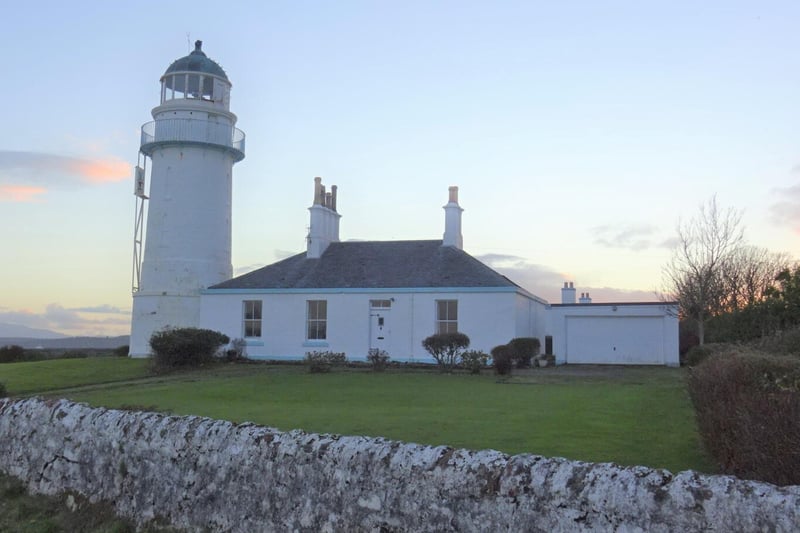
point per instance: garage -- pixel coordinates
(634, 340)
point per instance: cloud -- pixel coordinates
(71, 321)
(104, 308)
(20, 193)
(538, 279)
(629, 237)
(23, 175)
(238, 271)
(610, 294)
(546, 282)
(786, 211)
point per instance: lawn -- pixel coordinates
(42, 376)
(628, 416)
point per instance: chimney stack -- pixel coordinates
(585, 299)
(452, 221)
(568, 293)
(324, 226)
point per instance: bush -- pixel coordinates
(446, 348)
(322, 362)
(502, 360)
(697, 354)
(748, 414)
(3, 390)
(378, 358)
(523, 349)
(782, 342)
(122, 351)
(12, 353)
(237, 351)
(474, 360)
(185, 347)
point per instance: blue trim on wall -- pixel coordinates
(253, 343)
(316, 344)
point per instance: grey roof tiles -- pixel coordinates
(374, 264)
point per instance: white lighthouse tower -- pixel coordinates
(191, 145)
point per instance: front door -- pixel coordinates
(379, 329)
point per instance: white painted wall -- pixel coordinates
(488, 318)
(615, 334)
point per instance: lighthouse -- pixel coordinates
(184, 245)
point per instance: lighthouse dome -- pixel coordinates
(198, 62)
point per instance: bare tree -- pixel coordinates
(694, 275)
(747, 275)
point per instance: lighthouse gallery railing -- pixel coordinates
(187, 130)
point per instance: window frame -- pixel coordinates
(449, 322)
(252, 317)
(316, 320)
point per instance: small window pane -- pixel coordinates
(251, 318)
(446, 316)
(316, 324)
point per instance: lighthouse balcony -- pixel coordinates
(174, 131)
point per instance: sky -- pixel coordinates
(579, 134)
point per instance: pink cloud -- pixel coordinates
(20, 193)
(37, 168)
(107, 170)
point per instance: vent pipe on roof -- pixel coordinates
(568, 293)
(452, 221)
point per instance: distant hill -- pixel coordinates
(15, 330)
(68, 343)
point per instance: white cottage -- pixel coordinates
(354, 296)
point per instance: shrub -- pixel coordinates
(122, 351)
(3, 390)
(237, 351)
(748, 414)
(446, 348)
(12, 353)
(523, 349)
(502, 360)
(322, 362)
(782, 342)
(697, 354)
(378, 358)
(185, 347)
(474, 360)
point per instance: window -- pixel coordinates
(252, 318)
(317, 320)
(446, 316)
(380, 304)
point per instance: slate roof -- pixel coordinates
(374, 265)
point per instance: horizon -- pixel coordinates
(579, 135)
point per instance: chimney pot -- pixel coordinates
(454, 194)
(317, 190)
(334, 188)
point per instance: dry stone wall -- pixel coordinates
(198, 473)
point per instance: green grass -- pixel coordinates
(42, 376)
(636, 416)
(21, 512)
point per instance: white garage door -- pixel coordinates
(615, 340)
